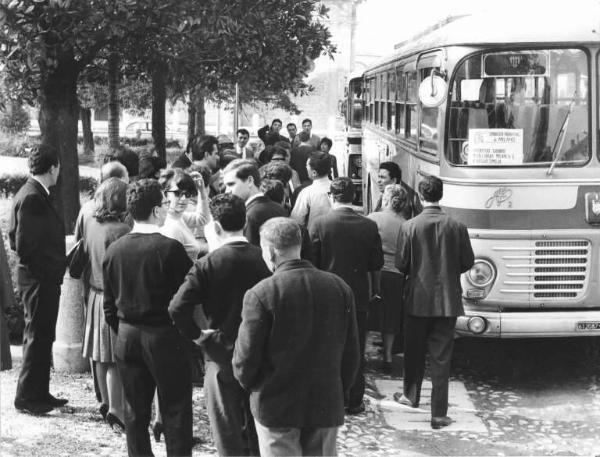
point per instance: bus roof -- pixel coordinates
(569, 25)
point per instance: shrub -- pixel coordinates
(10, 184)
(15, 119)
(17, 145)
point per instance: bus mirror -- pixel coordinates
(433, 91)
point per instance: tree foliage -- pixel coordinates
(264, 45)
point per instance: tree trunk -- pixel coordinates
(159, 100)
(191, 127)
(113, 100)
(85, 114)
(7, 299)
(58, 115)
(200, 113)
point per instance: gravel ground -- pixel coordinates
(78, 430)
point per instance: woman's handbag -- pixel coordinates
(77, 259)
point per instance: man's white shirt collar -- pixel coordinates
(41, 184)
(142, 227)
(235, 239)
(254, 197)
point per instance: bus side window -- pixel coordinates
(411, 112)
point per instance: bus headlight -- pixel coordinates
(482, 273)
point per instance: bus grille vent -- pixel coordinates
(547, 270)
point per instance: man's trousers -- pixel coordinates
(228, 408)
(434, 335)
(40, 305)
(150, 358)
(290, 441)
(357, 391)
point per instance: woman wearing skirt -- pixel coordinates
(105, 227)
(390, 282)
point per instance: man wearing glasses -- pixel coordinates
(142, 272)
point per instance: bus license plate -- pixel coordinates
(588, 326)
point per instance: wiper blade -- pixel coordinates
(561, 136)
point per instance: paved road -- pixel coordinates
(510, 397)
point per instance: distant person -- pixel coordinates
(433, 251)
(282, 154)
(325, 147)
(142, 271)
(217, 283)
(128, 158)
(389, 283)
(37, 235)
(105, 226)
(204, 149)
(314, 140)
(242, 150)
(300, 154)
(241, 178)
(273, 188)
(279, 170)
(313, 201)
(297, 350)
(292, 131)
(390, 173)
(349, 245)
(270, 135)
(151, 166)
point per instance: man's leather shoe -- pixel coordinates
(37, 408)
(440, 422)
(404, 401)
(356, 409)
(56, 402)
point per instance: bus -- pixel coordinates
(506, 115)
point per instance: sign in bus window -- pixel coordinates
(548, 106)
(494, 147)
(515, 64)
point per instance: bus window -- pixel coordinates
(377, 94)
(400, 102)
(384, 98)
(356, 103)
(429, 123)
(411, 111)
(391, 105)
(521, 108)
(372, 100)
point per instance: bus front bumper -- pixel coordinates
(536, 324)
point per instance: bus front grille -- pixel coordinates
(546, 270)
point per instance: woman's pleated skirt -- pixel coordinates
(99, 339)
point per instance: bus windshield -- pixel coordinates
(520, 108)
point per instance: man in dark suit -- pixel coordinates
(433, 250)
(204, 149)
(217, 282)
(242, 178)
(297, 348)
(349, 245)
(37, 235)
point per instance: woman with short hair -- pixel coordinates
(181, 188)
(390, 282)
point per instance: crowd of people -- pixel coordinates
(259, 259)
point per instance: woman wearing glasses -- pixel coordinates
(182, 188)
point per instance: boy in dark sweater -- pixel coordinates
(142, 271)
(218, 282)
